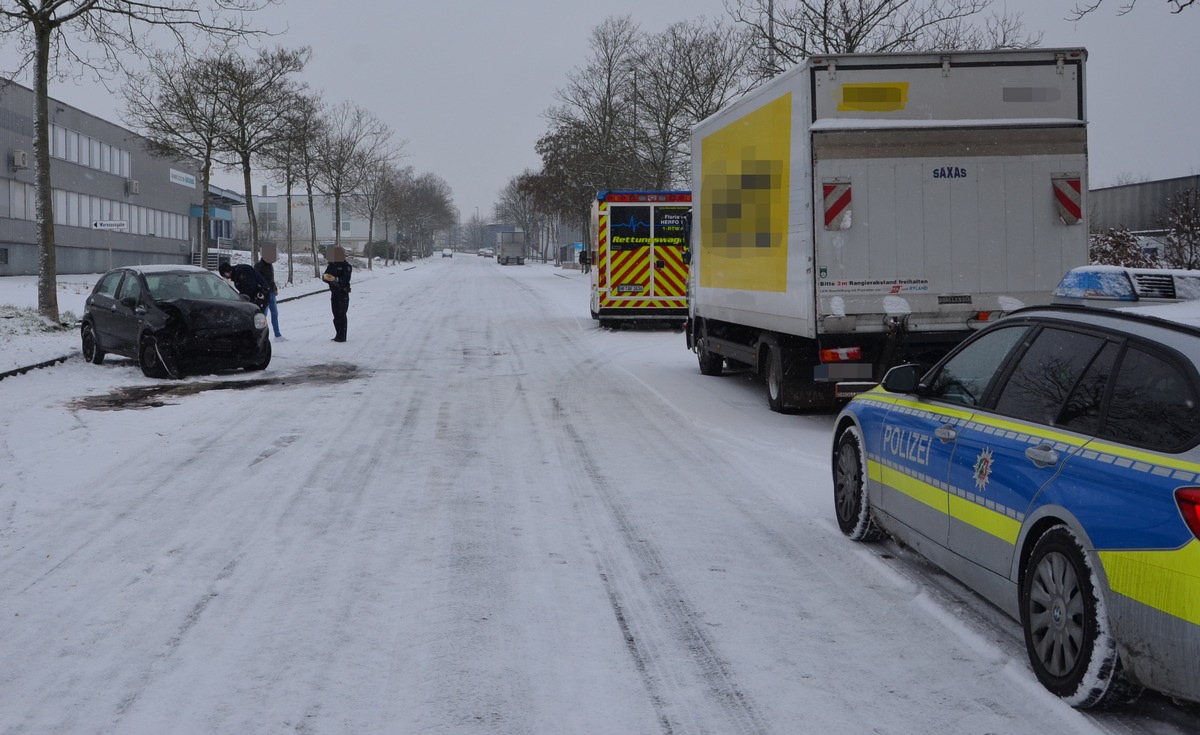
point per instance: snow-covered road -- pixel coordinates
(482, 514)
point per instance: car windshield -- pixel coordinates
(169, 286)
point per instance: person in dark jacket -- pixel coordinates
(337, 275)
(267, 271)
(246, 280)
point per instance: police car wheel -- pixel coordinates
(850, 495)
(1066, 628)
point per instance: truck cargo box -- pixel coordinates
(860, 210)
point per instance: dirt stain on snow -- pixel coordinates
(167, 393)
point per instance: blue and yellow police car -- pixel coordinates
(1051, 463)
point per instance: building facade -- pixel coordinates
(271, 212)
(1138, 207)
(113, 203)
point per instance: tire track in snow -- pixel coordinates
(739, 713)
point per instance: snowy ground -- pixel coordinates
(482, 514)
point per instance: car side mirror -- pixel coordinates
(903, 379)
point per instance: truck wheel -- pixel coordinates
(710, 364)
(1066, 627)
(776, 384)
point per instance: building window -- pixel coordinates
(3, 256)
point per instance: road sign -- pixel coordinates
(110, 224)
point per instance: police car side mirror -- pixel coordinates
(903, 379)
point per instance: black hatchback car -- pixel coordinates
(173, 319)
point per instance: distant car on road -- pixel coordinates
(1052, 463)
(488, 252)
(173, 319)
(447, 253)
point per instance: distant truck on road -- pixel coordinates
(510, 247)
(863, 210)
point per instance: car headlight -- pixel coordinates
(260, 320)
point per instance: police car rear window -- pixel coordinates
(1153, 404)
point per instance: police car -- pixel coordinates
(1052, 463)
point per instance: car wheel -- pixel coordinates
(263, 363)
(851, 498)
(1067, 633)
(710, 364)
(91, 346)
(149, 359)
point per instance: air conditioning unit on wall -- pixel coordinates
(20, 159)
(132, 186)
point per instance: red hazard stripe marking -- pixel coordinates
(1067, 194)
(835, 202)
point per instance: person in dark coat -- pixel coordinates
(337, 275)
(267, 271)
(247, 281)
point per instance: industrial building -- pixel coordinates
(114, 204)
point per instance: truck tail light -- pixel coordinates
(841, 354)
(1188, 499)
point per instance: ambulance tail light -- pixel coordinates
(841, 354)
(1188, 499)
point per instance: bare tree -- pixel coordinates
(599, 99)
(352, 137)
(425, 207)
(57, 35)
(1180, 216)
(789, 31)
(254, 94)
(680, 76)
(515, 204)
(1082, 9)
(291, 162)
(370, 200)
(175, 106)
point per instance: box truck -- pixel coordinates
(638, 257)
(510, 247)
(863, 210)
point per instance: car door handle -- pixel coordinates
(1042, 455)
(946, 433)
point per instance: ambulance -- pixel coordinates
(638, 257)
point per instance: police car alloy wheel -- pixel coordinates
(1066, 626)
(850, 497)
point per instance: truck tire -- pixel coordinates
(776, 378)
(710, 364)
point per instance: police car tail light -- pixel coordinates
(1188, 499)
(841, 354)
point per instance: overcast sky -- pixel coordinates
(466, 82)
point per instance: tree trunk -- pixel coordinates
(312, 227)
(47, 256)
(250, 216)
(205, 203)
(289, 180)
